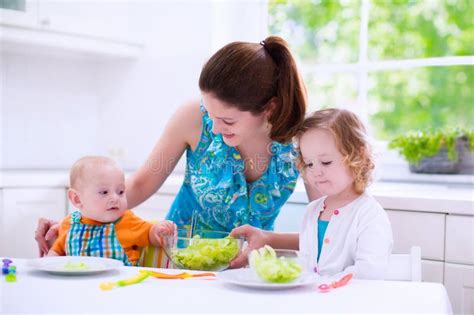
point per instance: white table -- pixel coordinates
(44, 293)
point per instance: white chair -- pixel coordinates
(405, 267)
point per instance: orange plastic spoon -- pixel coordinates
(183, 275)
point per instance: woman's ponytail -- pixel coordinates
(290, 91)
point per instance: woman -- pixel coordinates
(239, 168)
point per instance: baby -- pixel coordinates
(104, 227)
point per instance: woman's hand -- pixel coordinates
(45, 234)
(255, 238)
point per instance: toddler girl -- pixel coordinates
(346, 231)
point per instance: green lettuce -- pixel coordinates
(271, 268)
(206, 254)
(75, 266)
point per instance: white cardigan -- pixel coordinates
(358, 240)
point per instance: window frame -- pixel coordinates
(362, 68)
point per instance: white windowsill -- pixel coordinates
(401, 174)
(391, 167)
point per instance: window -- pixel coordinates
(400, 64)
(19, 5)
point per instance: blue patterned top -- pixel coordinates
(216, 191)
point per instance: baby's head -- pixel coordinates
(97, 188)
(334, 152)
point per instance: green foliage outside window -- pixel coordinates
(318, 31)
(327, 31)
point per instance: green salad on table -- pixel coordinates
(270, 268)
(206, 254)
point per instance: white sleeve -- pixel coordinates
(374, 246)
(307, 243)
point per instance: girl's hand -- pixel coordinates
(45, 235)
(255, 238)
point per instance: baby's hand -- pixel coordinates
(160, 230)
(166, 228)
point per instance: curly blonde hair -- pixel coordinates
(351, 140)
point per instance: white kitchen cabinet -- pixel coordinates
(459, 282)
(102, 19)
(460, 239)
(432, 271)
(1, 221)
(24, 16)
(423, 229)
(102, 29)
(155, 208)
(467, 298)
(21, 209)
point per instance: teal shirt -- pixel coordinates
(322, 227)
(216, 191)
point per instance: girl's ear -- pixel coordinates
(74, 197)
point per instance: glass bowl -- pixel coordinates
(276, 265)
(206, 250)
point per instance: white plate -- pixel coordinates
(70, 265)
(247, 278)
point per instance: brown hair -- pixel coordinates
(250, 75)
(82, 168)
(351, 140)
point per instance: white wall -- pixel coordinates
(50, 111)
(58, 108)
(137, 99)
(235, 20)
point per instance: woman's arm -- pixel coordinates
(182, 130)
(257, 238)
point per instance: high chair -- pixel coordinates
(405, 267)
(154, 257)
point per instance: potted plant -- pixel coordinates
(434, 152)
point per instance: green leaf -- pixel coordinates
(271, 268)
(416, 145)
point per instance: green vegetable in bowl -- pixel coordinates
(270, 268)
(207, 254)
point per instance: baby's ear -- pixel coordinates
(74, 198)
